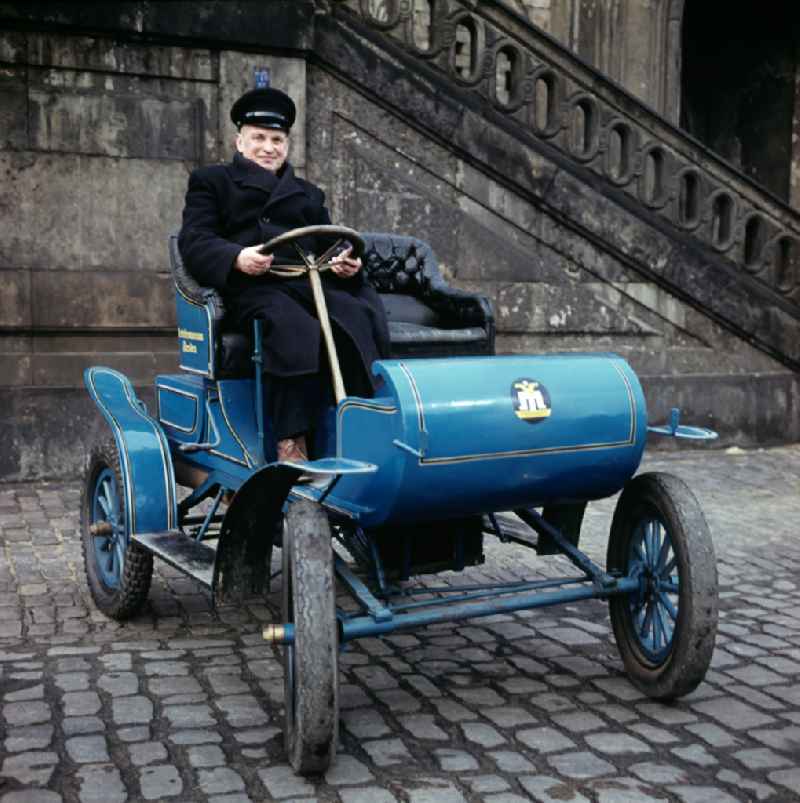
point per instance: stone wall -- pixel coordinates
(99, 130)
(551, 288)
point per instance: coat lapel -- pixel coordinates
(278, 188)
(249, 174)
(287, 187)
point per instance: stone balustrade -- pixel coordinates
(521, 73)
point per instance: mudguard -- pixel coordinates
(146, 464)
(244, 549)
(252, 521)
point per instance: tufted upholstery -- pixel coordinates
(426, 316)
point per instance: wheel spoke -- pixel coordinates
(110, 562)
(104, 505)
(666, 626)
(668, 569)
(120, 556)
(647, 621)
(637, 610)
(306, 260)
(658, 536)
(652, 537)
(330, 252)
(666, 604)
(669, 586)
(645, 541)
(108, 490)
(658, 628)
(666, 547)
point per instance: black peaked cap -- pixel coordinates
(266, 108)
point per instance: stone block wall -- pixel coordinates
(98, 134)
(551, 289)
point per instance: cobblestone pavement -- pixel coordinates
(184, 704)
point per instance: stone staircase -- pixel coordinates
(591, 221)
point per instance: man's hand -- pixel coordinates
(253, 263)
(344, 265)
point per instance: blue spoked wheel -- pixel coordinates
(118, 572)
(665, 630)
(109, 537)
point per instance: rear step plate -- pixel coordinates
(184, 553)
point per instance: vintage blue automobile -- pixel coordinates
(402, 484)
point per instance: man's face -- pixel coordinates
(266, 147)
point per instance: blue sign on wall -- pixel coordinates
(261, 76)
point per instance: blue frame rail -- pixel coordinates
(400, 611)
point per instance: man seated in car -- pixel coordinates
(231, 211)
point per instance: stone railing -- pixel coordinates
(523, 74)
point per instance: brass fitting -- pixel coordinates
(274, 634)
(101, 528)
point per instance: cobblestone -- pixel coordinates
(87, 749)
(185, 704)
(160, 782)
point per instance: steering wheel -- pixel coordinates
(312, 266)
(310, 262)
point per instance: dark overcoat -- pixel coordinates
(240, 204)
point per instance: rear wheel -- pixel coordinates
(118, 571)
(665, 631)
(311, 683)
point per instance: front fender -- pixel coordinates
(145, 461)
(244, 549)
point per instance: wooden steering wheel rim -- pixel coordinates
(342, 232)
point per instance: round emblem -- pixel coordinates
(531, 400)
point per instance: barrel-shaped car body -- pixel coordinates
(474, 435)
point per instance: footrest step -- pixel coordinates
(184, 553)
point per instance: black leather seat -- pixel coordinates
(426, 316)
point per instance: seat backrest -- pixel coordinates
(400, 264)
(199, 313)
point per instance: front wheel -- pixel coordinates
(665, 631)
(310, 664)
(118, 571)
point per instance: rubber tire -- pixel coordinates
(311, 672)
(688, 660)
(137, 569)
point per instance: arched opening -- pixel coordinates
(620, 152)
(653, 185)
(423, 23)
(465, 49)
(754, 237)
(382, 10)
(689, 199)
(505, 79)
(583, 127)
(721, 220)
(544, 102)
(785, 263)
(738, 75)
